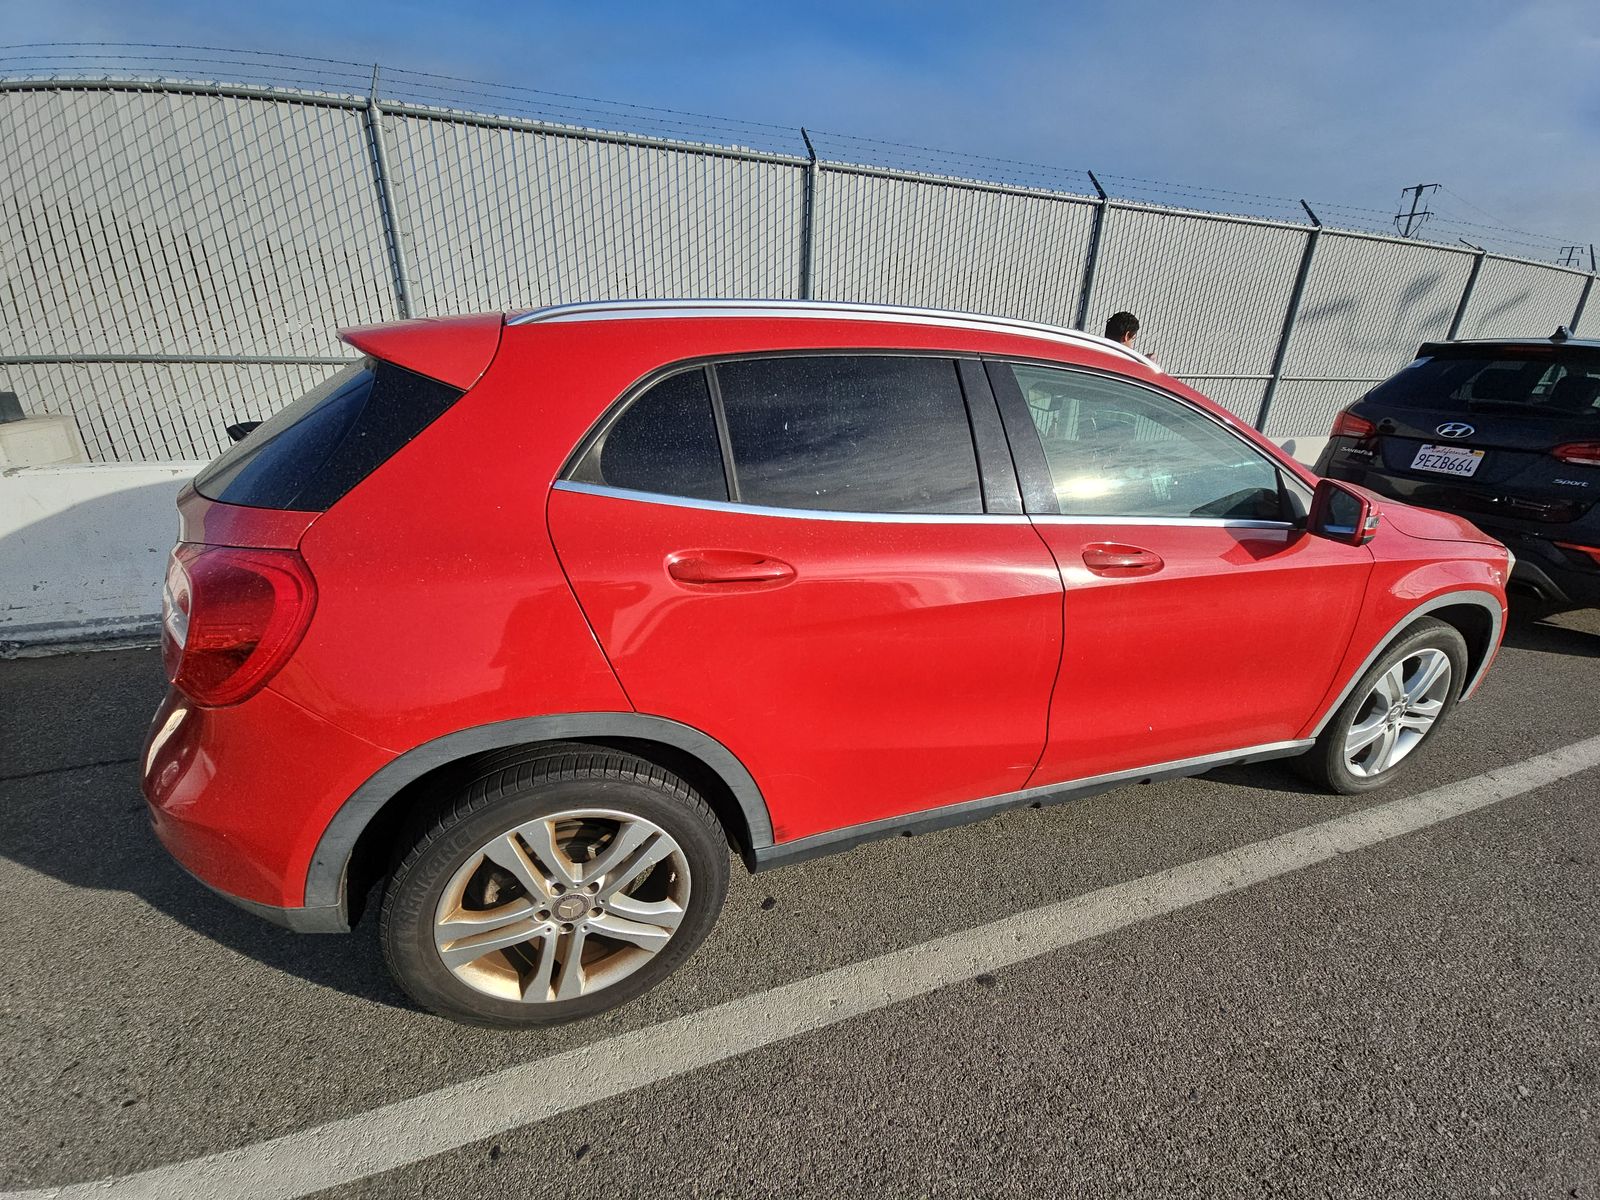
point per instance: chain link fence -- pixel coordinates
(176, 254)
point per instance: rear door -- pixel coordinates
(1198, 619)
(798, 556)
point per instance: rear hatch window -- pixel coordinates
(1532, 384)
(1471, 429)
(306, 456)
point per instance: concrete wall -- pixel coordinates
(83, 549)
(1303, 449)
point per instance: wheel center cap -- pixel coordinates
(570, 908)
(1396, 711)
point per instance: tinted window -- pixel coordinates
(1119, 450)
(311, 453)
(665, 442)
(1527, 384)
(851, 434)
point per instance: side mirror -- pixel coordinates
(1342, 514)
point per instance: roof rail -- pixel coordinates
(622, 310)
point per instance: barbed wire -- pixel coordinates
(1526, 237)
(103, 61)
(160, 62)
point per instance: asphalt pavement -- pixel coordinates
(1418, 1017)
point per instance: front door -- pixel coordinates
(795, 555)
(1199, 619)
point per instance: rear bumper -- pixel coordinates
(239, 797)
(330, 919)
(1544, 569)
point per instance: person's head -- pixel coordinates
(1122, 327)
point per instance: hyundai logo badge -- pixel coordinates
(1455, 429)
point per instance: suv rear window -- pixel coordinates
(308, 455)
(1533, 383)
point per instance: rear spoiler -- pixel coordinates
(453, 350)
(1459, 347)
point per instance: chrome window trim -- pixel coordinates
(803, 514)
(632, 310)
(822, 514)
(1177, 522)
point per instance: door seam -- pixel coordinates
(583, 613)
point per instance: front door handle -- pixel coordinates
(1117, 560)
(704, 567)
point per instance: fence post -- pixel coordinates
(808, 224)
(1092, 258)
(379, 154)
(1583, 300)
(1289, 318)
(1466, 294)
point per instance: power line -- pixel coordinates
(1544, 239)
(1500, 222)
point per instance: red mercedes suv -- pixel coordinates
(520, 622)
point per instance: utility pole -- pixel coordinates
(1571, 256)
(1409, 222)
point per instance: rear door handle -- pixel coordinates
(1117, 560)
(704, 567)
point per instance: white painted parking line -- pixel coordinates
(408, 1131)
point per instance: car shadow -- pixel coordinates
(1274, 775)
(1556, 634)
(122, 855)
(71, 810)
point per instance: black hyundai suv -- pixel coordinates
(1505, 433)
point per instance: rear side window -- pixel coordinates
(664, 442)
(850, 433)
(1531, 384)
(308, 455)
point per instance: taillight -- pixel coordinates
(230, 617)
(1583, 454)
(1592, 552)
(1347, 424)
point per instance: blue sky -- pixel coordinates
(1344, 102)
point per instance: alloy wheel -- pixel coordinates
(1398, 712)
(562, 906)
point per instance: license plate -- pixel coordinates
(1447, 460)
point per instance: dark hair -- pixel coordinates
(1121, 325)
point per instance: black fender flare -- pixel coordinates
(326, 874)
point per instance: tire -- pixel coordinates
(481, 917)
(1332, 765)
